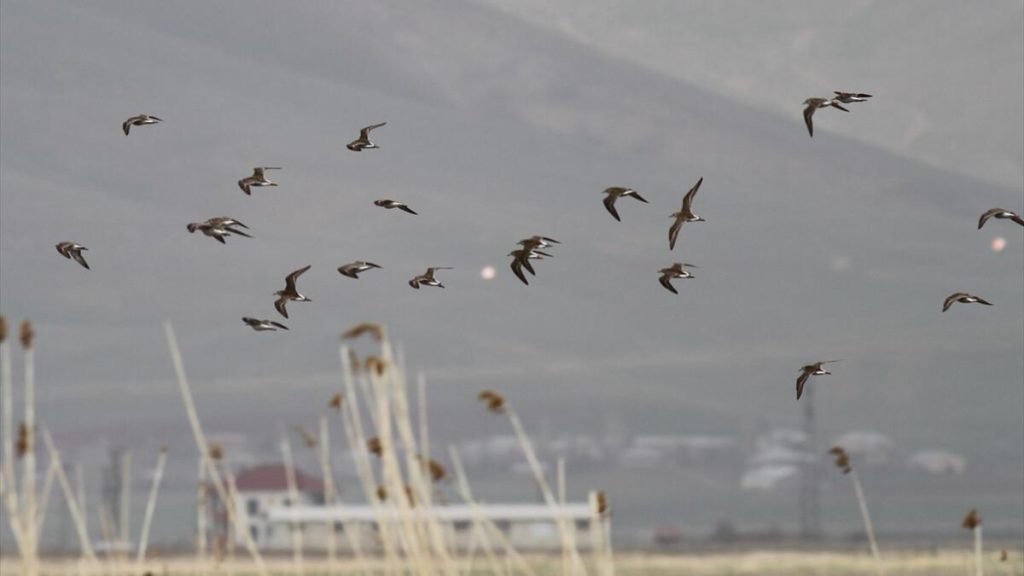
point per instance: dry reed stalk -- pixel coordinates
(10, 482)
(293, 495)
(76, 515)
(48, 480)
(868, 526)
(356, 437)
(462, 485)
(125, 521)
(391, 475)
(201, 494)
(978, 564)
(567, 536)
(204, 449)
(28, 484)
(147, 519)
(600, 533)
(422, 487)
(324, 457)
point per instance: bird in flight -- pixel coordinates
(848, 97)
(389, 204)
(534, 242)
(353, 269)
(521, 259)
(140, 120)
(290, 292)
(816, 369)
(964, 298)
(999, 214)
(257, 179)
(684, 215)
(427, 278)
(363, 142)
(614, 193)
(71, 250)
(263, 325)
(218, 228)
(674, 271)
(812, 105)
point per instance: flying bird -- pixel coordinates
(363, 142)
(389, 204)
(964, 298)
(999, 214)
(71, 250)
(812, 104)
(816, 369)
(263, 325)
(140, 120)
(684, 215)
(534, 242)
(674, 271)
(848, 97)
(521, 259)
(427, 278)
(614, 193)
(218, 228)
(353, 269)
(290, 292)
(257, 179)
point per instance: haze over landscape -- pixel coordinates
(504, 121)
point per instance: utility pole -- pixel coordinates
(810, 494)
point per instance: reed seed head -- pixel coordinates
(27, 335)
(603, 508)
(972, 520)
(374, 446)
(216, 451)
(436, 470)
(382, 493)
(495, 402)
(308, 439)
(3, 329)
(377, 365)
(335, 403)
(372, 328)
(21, 444)
(842, 459)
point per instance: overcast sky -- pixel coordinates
(504, 121)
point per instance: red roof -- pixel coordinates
(272, 477)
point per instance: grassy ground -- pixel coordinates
(773, 563)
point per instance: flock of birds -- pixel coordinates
(527, 250)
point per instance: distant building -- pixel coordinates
(272, 516)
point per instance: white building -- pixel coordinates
(273, 517)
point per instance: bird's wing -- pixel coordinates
(1016, 218)
(348, 270)
(688, 199)
(951, 299)
(808, 112)
(279, 325)
(415, 282)
(77, 254)
(517, 269)
(979, 298)
(835, 104)
(406, 208)
(667, 283)
(257, 172)
(280, 304)
(157, 119)
(637, 195)
(290, 280)
(371, 264)
(552, 240)
(673, 233)
(988, 214)
(127, 126)
(609, 203)
(801, 381)
(244, 185)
